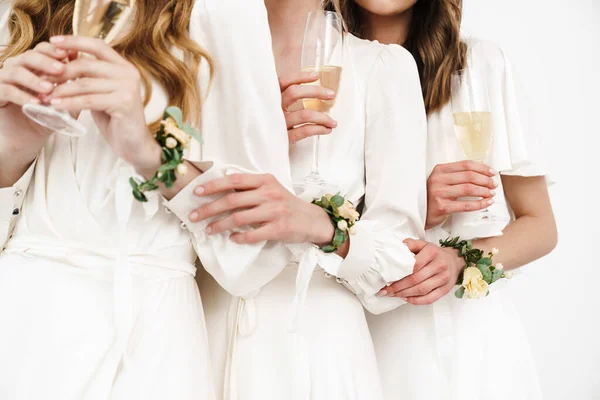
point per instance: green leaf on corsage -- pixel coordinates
(460, 292)
(176, 114)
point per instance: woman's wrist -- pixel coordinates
(149, 161)
(323, 230)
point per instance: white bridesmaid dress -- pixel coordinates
(97, 292)
(458, 349)
(286, 322)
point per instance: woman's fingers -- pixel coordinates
(466, 165)
(467, 190)
(298, 92)
(297, 134)
(93, 102)
(262, 234)
(36, 61)
(91, 68)
(95, 47)
(297, 79)
(429, 298)
(408, 282)
(85, 86)
(234, 182)
(307, 116)
(254, 216)
(455, 206)
(230, 202)
(423, 288)
(475, 178)
(24, 78)
(12, 94)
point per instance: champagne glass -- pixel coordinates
(322, 53)
(472, 114)
(93, 18)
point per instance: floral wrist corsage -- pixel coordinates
(343, 216)
(479, 271)
(174, 137)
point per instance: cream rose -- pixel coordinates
(495, 251)
(348, 212)
(172, 129)
(475, 286)
(182, 169)
(499, 266)
(342, 225)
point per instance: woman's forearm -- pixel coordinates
(523, 241)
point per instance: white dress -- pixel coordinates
(97, 292)
(458, 349)
(287, 333)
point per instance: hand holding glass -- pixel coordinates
(322, 53)
(102, 19)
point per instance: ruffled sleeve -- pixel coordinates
(244, 131)
(395, 195)
(516, 148)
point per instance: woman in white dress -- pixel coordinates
(319, 347)
(438, 346)
(97, 294)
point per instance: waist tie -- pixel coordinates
(242, 319)
(80, 256)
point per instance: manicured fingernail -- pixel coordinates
(55, 102)
(58, 66)
(46, 85)
(34, 100)
(335, 124)
(199, 191)
(208, 230)
(57, 39)
(382, 293)
(491, 201)
(314, 75)
(493, 171)
(392, 294)
(330, 93)
(493, 192)
(194, 217)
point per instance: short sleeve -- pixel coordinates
(517, 148)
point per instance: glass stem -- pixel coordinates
(314, 167)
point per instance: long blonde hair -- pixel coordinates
(159, 26)
(433, 40)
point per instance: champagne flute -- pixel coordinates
(322, 53)
(472, 114)
(94, 18)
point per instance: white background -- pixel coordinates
(555, 46)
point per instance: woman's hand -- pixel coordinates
(303, 123)
(435, 273)
(260, 201)
(23, 79)
(448, 182)
(111, 88)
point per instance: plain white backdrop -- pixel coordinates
(555, 46)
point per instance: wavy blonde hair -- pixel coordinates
(433, 40)
(159, 27)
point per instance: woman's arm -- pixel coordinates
(533, 234)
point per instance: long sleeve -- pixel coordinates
(244, 131)
(395, 195)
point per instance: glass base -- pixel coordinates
(308, 191)
(487, 216)
(58, 121)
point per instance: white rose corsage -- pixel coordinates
(174, 137)
(343, 216)
(479, 272)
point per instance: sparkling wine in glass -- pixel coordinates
(472, 114)
(93, 18)
(322, 53)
